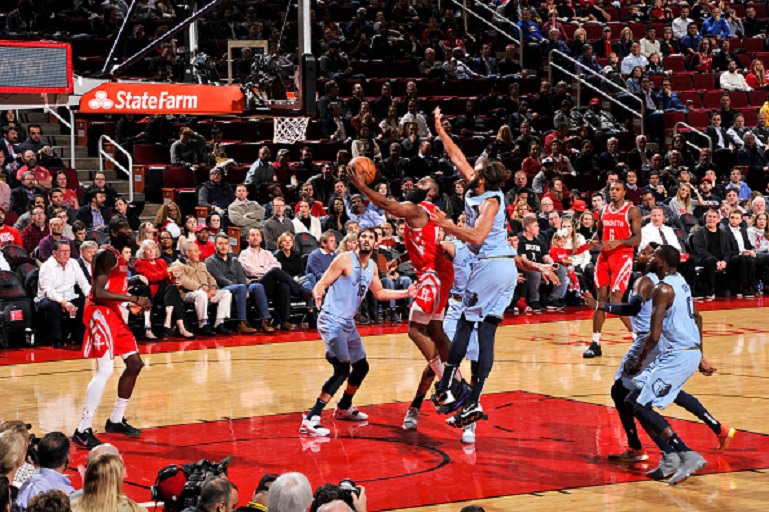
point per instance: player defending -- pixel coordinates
(492, 280)
(619, 228)
(639, 310)
(435, 272)
(676, 326)
(107, 336)
(347, 279)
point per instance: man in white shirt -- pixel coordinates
(634, 59)
(57, 302)
(680, 24)
(733, 81)
(412, 116)
(656, 231)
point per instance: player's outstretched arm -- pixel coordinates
(455, 154)
(408, 211)
(383, 294)
(483, 224)
(329, 277)
(104, 262)
(548, 275)
(643, 292)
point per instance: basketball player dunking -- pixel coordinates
(619, 231)
(435, 275)
(107, 336)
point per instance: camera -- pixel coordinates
(348, 488)
(179, 487)
(32, 456)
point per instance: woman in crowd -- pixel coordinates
(668, 45)
(8, 118)
(364, 118)
(103, 488)
(79, 232)
(758, 233)
(214, 223)
(683, 203)
(587, 160)
(457, 199)
(634, 80)
(625, 42)
(123, 208)
(587, 224)
(13, 452)
(503, 147)
(687, 155)
(579, 39)
(576, 244)
(169, 218)
(337, 217)
(304, 222)
(384, 189)
(70, 197)
(162, 288)
(291, 262)
(187, 231)
(392, 120)
(168, 249)
(516, 219)
(532, 164)
(702, 60)
(147, 231)
(348, 244)
(757, 78)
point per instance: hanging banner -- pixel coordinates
(141, 98)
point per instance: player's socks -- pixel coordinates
(677, 444)
(633, 335)
(345, 402)
(597, 338)
(317, 408)
(417, 402)
(475, 393)
(691, 404)
(437, 366)
(663, 445)
(118, 412)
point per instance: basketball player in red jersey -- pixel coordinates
(435, 272)
(107, 335)
(619, 232)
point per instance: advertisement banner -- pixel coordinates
(28, 67)
(141, 98)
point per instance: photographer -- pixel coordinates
(53, 453)
(260, 497)
(339, 498)
(217, 495)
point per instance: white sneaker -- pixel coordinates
(312, 426)
(351, 414)
(468, 434)
(410, 421)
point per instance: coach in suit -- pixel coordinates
(639, 158)
(742, 263)
(85, 260)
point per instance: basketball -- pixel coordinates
(364, 166)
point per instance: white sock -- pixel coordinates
(105, 366)
(633, 335)
(203, 323)
(437, 366)
(119, 410)
(597, 338)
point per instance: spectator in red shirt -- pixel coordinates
(532, 163)
(9, 235)
(42, 175)
(559, 195)
(33, 233)
(206, 246)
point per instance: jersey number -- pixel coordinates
(361, 290)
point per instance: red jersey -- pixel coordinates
(616, 226)
(424, 247)
(9, 235)
(118, 277)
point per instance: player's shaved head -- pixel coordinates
(669, 255)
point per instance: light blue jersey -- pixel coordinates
(679, 330)
(347, 292)
(463, 265)
(642, 321)
(641, 324)
(463, 262)
(495, 245)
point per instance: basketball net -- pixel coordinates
(289, 130)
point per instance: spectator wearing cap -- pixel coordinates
(600, 120)
(189, 150)
(605, 46)
(202, 240)
(215, 194)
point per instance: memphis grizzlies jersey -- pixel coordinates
(347, 292)
(463, 264)
(679, 330)
(642, 321)
(496, 242)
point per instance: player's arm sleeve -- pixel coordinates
(631, 308)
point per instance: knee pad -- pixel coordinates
(341, 373)
(358, 373)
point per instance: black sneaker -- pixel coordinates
(593, 351)
(223, 329)
(85, 439)
(536, 307)
(122, 428)
(470, 413)
(206, 331)
(551, 305)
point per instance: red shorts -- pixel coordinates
(432, 296)
(614, 271)
(106, 332)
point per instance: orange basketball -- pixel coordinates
(364, 166)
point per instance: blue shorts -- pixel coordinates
(661, 382)
(490, 288)
(453, 314)
(341, 338)
(634, 351)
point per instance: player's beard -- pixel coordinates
(365, 252)
(417, 195)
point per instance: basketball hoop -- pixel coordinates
(289, 130)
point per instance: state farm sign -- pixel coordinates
(140, 98)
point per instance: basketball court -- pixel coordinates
(544, 447)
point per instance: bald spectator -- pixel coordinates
(262, 170)
(56, 233)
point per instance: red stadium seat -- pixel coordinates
(760, 10)
(671, 118)
(675, 63)
(569, 29)
(757, 98)
(656, 80)
(638, 30)
(712, 99)
(680, 81)
(739, 99)
(694, 96)
(698, 118)
(147, 154)
(753, 44)
(178, 178)
(704, 81)
(745, 60)
(593, 31)
(750, 114)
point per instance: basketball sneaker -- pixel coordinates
(629, 455)
(312, 427)
(85, 439)
(468, 434)
(594, 350)
(725, 437)
(668, 465)
(452, 399)
(691, 462)
(351, 414)
(411, 419)
(470, 413)
(122, 428)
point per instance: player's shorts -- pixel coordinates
(661, 382)
(490, 288)
(429, 304)
(614, 271)
(341, 337)
(453, 314)
(106, 332)
(634, 352)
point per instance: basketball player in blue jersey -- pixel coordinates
(639, 310)
(676, 326)
(492, 280)
(348, 278)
